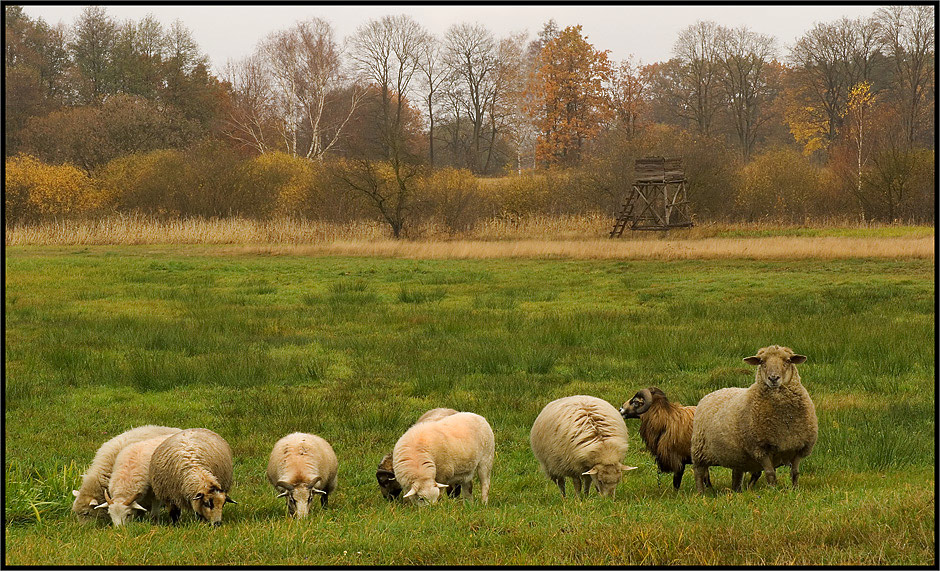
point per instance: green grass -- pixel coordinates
(102, 339)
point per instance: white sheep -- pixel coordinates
(583, 438)
(193, 469)
(95, 479)
(447, 452)
(302, 466)
(385, 473)
(129, 486)
(769, 424)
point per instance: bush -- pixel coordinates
(779, 185)
(452, 198)
(35, 190)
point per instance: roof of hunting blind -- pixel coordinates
(659, 169)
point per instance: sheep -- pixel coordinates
(302, 466)
(771, 423)
(385, 473)
(130, 482)
(193, 469)
(95, 479)
(584, 438)
(665, 427)
(436, 454)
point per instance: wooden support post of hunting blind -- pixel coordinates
(657, 199)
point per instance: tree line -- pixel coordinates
(841, 124)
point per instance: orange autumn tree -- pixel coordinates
(567, 96)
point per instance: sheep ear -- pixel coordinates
(282, 494)
(440, 485)
(101, 505)
(94, 503)
(137, 506)
(797, 359)
(589, 472)
(627, 468)
(197, 496)
(752, 360)
(229, 500)
(75, 493)
(411, 492)
(319, 491)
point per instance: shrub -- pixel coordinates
(35, 190)
(452, 197)
(779, 185)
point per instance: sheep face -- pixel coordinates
(385, 475)
(84, 507)
(640, 402)
(122, 513)
(299, 497)
(208, 504)
(424, 492)
(775, 365)
(605, 477)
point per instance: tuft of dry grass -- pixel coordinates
(577, 237)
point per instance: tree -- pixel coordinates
(908, 35)
(95, 34)
(856, 114)
(628, 95)
(567, 96)
(744, 57)
(433, 76)
(697, 74)
(828, 61)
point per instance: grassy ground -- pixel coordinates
(101, 339)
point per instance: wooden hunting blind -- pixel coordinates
(657, 200)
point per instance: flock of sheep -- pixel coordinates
(756, 429)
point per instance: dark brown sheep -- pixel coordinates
(665, 427)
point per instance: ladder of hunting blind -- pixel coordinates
(626, 213)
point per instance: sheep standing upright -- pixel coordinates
(444, 453)
(302, 466)
(129, 488)
(385, 473)
(95, 479)
(665, 427)
(193, 469)
(771, 423)
(583, 438)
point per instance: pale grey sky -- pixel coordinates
(645, 32)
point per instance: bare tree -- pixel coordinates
(434, 77)
(252, 116)
(303, 65)
(744, 57)
(628, 93)
(908, 36)
(696, 51)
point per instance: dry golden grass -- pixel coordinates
(581, 237)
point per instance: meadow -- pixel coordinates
(258, 342)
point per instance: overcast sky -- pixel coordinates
(645, 32)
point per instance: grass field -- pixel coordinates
(103, 338)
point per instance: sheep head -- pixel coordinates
(605, 477)
(208, 504)
(425, 492)
(84, 506)
(299, 496)
(640, 402)
(776, 365)
(386, 477)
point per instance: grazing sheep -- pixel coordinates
(385, 473)
(436, 454)
(584, 438)
(769, 424)
(665, 427)
(129, 486)
(302, 466)
(95, 479)
(193, 469)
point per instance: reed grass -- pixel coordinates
(579, 237)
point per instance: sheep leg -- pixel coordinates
(155, 507)
(736, 476)
(586, 483)
(561, 485)
(466, 490)
(794, 470)
(769, 469)
(677, 477)
(754, 477)
(174, 513)
(701, 476)
(323, 500)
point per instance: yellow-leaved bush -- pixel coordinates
(35, 190)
